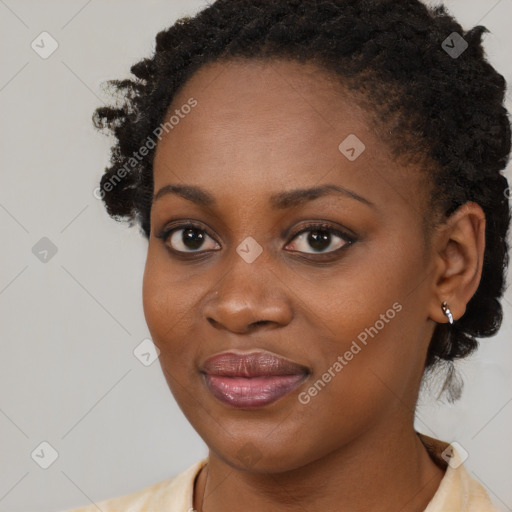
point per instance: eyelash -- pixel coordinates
(349, 239)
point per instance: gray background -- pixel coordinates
(68, 375)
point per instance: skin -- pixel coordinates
(261, 128)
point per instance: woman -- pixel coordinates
(319, 183)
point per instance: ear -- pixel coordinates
(460, 246)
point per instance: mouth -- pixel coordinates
(252, 379)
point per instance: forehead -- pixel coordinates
(269, 126)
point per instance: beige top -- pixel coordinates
(458, 491)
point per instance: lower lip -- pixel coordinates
(254, 391)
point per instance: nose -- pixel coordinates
(248, 297)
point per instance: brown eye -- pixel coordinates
(188, 238)
(320, 237)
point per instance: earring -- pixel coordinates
(447, 312)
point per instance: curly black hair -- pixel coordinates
(441, 108)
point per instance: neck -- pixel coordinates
(387, 471)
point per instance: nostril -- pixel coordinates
(213, 322)
(260, 322)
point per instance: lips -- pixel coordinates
(252, 379)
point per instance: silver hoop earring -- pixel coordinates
(447, 312)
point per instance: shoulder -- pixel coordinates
(458, 489)
(174, 494)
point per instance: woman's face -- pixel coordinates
(346, 302)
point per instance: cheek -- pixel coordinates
(156, 297)
(168, 306)
(370, 312)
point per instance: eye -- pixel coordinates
(320, 237)
(187, 237)
(192, 238)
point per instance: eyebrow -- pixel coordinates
(279, 201)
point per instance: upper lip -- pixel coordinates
(253, 364)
